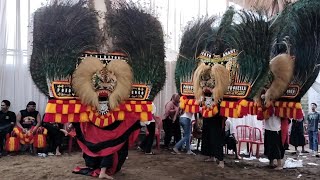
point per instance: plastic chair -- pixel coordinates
(244, 134)
(256, 139)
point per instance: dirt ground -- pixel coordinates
(161, 166)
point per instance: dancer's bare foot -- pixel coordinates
(210, 159)
(104, 176)
(278, 168)
(58, 151)
(221, 164)
(271, 164)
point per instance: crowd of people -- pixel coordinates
(217, 132)
(26, 123)
(213, 133)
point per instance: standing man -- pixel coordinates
(7, 121)
(313, 120)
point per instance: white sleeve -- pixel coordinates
(154, 108)
(228, 127)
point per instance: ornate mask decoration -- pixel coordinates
(102, 86)
(210, 81)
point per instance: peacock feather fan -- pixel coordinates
(195, 38)
(253, 37)
(218, 43)
(301, 27)
(61, 32)
(140, 35)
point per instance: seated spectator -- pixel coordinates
(7, 121)
(28, 121)
(29, 117)
(230, 139)
(56, 132)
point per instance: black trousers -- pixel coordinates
(3, 132)
(168, 128)
(107, 161)
(231, 142)
(171, 129)
(147, 143)
(273, 147)
(55, 137)
(212, 138)
(98, 162)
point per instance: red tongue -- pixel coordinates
(206, 90)
(103, 94)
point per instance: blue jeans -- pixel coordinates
(186, 125)
(313, 140)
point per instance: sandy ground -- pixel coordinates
(161, 166)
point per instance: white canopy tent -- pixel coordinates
(16, 84)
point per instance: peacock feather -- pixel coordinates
(61, 32)
(300, 24)
(253, 37)
(140, 35)
(195, 38)
(221, 33)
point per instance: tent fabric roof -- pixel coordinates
(273, 6)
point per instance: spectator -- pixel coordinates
(146, 144)
(230, 139)
(56, 132)
(313, 120)
(29, 117)
(170, 117)
(185, 122)
(7, 121)
(297, 135)
(28, 121)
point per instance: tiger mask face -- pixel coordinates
(210, 83)
(102, 86)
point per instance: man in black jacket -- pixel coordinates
(7, 121)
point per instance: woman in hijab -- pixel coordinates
(170, 116)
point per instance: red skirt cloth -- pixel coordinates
(105, 147)
(285, 131)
